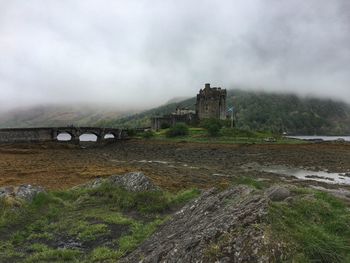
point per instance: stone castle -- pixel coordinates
(210, 103)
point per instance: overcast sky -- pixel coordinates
(139, 53)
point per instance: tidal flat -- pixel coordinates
(171, 165)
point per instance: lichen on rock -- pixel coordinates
(216, 227)
(23, 192)
(133, 182)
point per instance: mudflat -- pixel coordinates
(170, 165)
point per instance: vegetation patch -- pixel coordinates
(147, 134)
(43, 253)
(84, 225)
(179, 129)
(225, 135)
(213, 126)
(244, 180)
(316, 226)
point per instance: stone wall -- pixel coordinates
(25, 135)
(172, 119)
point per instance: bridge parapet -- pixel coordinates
(51, 133)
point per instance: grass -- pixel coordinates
(139, 232)
(98, 219)
(45, 254)
(244, 180)
(226, 136)
(316, 226)
(104, 254)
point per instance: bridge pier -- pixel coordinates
(74, 139)
(99, 139)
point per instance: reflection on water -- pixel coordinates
(324, 138)
(320, 176)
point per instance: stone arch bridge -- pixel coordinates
(51, 133)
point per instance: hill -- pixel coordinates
(267, 111)
(58, 115)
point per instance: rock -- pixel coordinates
(270, 139)
(216, 227)
(69, 244)
(134, 182)
(340, 140)
(24, 192)
(278, 193)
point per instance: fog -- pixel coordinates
(139, 53)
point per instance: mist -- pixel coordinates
(138, 54)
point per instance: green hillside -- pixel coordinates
(267, 111)
(58, 115)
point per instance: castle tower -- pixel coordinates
(211, 103)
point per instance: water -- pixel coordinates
(302, 174)
(325, 138)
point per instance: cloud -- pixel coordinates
(138, 53)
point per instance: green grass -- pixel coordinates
(249, 181)
(226, 136)
(85, 231)
(316, 226)
(32, 232)
(45, 254)
(139, 232)
(104, 254)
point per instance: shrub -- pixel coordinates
(179, 129)
(165, 126)
(213, 126)
(131, 132)
(147, 134)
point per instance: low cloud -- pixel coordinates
(136, 54)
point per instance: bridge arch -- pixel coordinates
(110, 135)
(89, 136)
(64, 136)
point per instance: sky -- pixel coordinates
(141, 53)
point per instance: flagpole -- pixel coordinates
(232, 119)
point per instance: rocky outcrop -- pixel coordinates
(23, 192)
(134, 182)
(278, 193)
(223, 226)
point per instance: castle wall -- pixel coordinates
(211, 103)
(172, 119)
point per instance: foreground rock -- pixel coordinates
(278, 193)
(23, 192)
(134, 182)
(217, 227)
